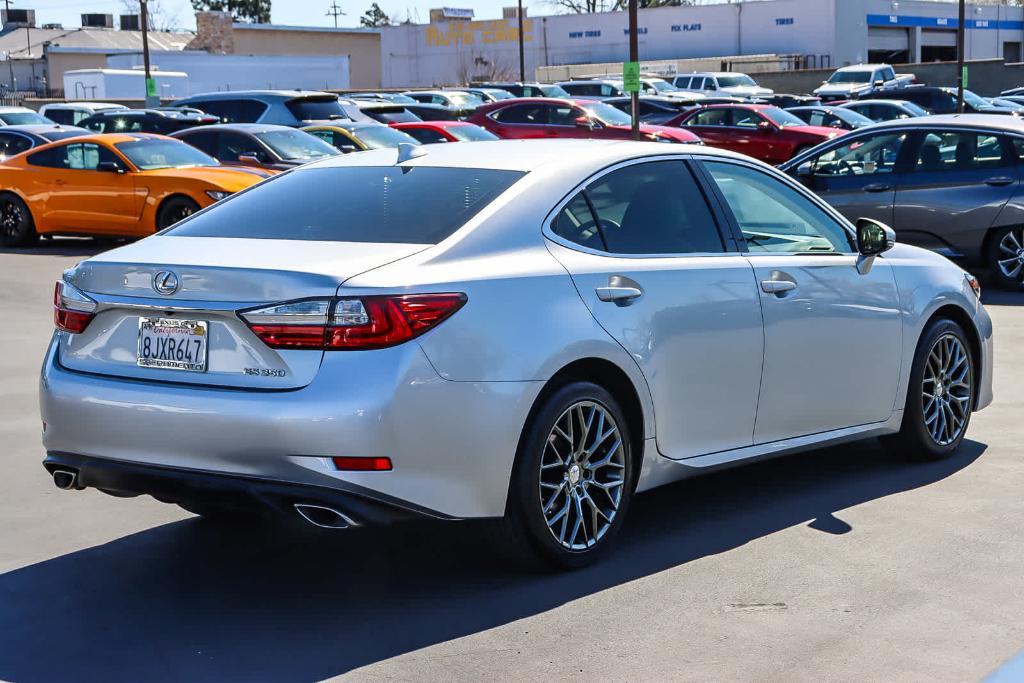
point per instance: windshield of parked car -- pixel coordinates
(295, 145)
(735, 81)
(383, 204)
(851, 117)
(471, 133)
(151, 154)
(851, 77)
(914, 109)
(554, 91)
(662, 86)
(976, 101)
(382, 137)
(782, 118)
(607, 114)
(499, 94)
(22, 118)
(465, 99)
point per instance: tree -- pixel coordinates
(159, 17)
(374, 17)
(252, 11)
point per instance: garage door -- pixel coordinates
(889, 45)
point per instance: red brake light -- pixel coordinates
(362, 464)
(372, 322)
(72, 310)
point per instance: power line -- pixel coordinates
(335, 12)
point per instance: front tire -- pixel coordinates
(17, 229)
(173, 210)
(573, 479)
(940, 395)
(1004, 256)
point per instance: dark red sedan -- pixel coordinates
(431, 132)
(758, 130)
(560, 118)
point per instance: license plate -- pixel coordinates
(172, 344)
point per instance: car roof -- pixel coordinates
(38, 128)
(350, 126)
(526, 155)
(236, 94)
(1010, 124)
(432, 124)
(859, 67)
(880, 101)
(740, 105)
(243, 127)
(91, 106)
(11, 110)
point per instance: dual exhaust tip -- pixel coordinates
(318, 515)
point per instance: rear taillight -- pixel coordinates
(369, 322)
(72, 310)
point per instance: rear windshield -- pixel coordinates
(417, 205)
(316, 109)
(471, 133)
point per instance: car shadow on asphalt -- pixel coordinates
(196, 601)
(70, 246)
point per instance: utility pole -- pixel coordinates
(634, 56)
(152, 96)
(522, 59)
(960, 60)
(335, 11)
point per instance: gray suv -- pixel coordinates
(279, 107)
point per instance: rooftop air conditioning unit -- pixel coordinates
(97, 21)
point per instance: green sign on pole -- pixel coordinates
(964, 76)
(151, 87)
(631, 76)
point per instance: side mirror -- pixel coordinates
(109, 167)
(805, 170)
(348, 149)
(765, 127)
(585, 122)
(879, 83)
(836, 124)
(250, 160)
(874, 238)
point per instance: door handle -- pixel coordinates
(877, 187)
(777, 286)
(618, 294)
(999, 181)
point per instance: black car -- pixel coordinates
(831, 117)
(655, 110)
(916, 174)
(17, 139)
(387, 113)
(163, 121)
(787, 101)
(438, 112)
(257, 144)
(527, 89)
(943, 100)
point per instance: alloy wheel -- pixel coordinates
(10, 220)
(946, 389)
(1010, 258)
(582, 475)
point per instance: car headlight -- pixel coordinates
(217, 195)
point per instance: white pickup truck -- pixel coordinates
(859, 80)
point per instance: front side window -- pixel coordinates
(296, 145)
(867, 155)
(961, 151)
(745, 118)
(710, 117)
(647, 208)
(382, 204)
(773, 216)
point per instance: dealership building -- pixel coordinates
(822, 33)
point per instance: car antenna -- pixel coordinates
(407, 151)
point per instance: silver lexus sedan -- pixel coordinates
(531, 331)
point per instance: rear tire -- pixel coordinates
(173, 210)
(940, 395)
(572, 481)
(17, 229)
(1004, 257)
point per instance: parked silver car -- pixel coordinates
(524, 330)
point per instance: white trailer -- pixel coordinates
(122, 84)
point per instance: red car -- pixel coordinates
(764, 132)
(549, 117)
(430, 132)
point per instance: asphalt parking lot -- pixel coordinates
(838, 564)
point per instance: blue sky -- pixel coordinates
(296, 12)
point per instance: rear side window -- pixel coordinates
(63, 116)
(316, 109)
(13, 144)
(647, 208)
(418, 205)
(522, 113)
(232, 111)
(961, 151)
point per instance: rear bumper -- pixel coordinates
(452, 444)
(196, 488)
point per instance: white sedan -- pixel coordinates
(526, 330)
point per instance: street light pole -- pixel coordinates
(152, 97)
(634, 56)
(960, 60)
(522, 59)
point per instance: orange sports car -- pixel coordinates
(125, 185)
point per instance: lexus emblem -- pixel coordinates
(165, 282)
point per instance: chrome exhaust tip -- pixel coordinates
(65, 479)
(324, 517)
